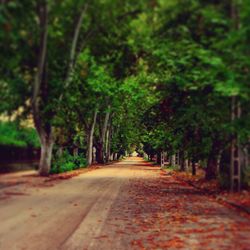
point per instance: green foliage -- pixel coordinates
(165, 71)
(29, 135)
(13, 135)
(79, 161)
(67, 162)
(197, 55)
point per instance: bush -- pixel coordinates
(67, 162)
(68, 166)
(11, 134)
(79, 161)
(173, 167)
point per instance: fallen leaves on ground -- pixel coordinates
(240, 199)
(165, 213)
(34, 180)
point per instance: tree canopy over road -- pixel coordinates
(117, 76)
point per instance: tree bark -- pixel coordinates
(236, 161)
(99, 155)
(111, 158)
(72, 55)
(104, 135)
(100, 149)
(218, 163)
(43, 23)
(75, 152)
(90, 140)
(173, 160)
(182, 160)
(158, 158)
(60, 151)
(193, 167)
(211, 169)
(46, 153)
(108, 142)
(40, 86)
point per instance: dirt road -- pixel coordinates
(126, 205)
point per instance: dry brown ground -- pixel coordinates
(126, 205)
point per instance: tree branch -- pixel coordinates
(43, 19)
(75, 39)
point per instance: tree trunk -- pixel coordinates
(182, 160)
(43, 39)
(73, 49)
(99, 154)
(236, 161)
(108, 143)
(218, 163)
(60, 151)
(152, 157)
(173, 160)
(158, 158)
(111, 158)
(104, 135)
(90, 140)
(40, 92)
(100, 149)
(193, 167)
(177, 159)
(93, 155)
(186, 164)
(75, 151)
(46, 153)
(211, 169)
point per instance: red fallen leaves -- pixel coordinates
(37, 181)
(198, 180)
(216, 236)
(70, 174)
(198, 230)
(240, 200)
(138, 243)
(14, 193)
(42, 184)
(176, 242)
(164, 213)
(4, 197)
(121, 232)
(101, 237)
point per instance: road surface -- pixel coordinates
(126, 205)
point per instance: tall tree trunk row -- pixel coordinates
(43, 128)
(90, 140)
